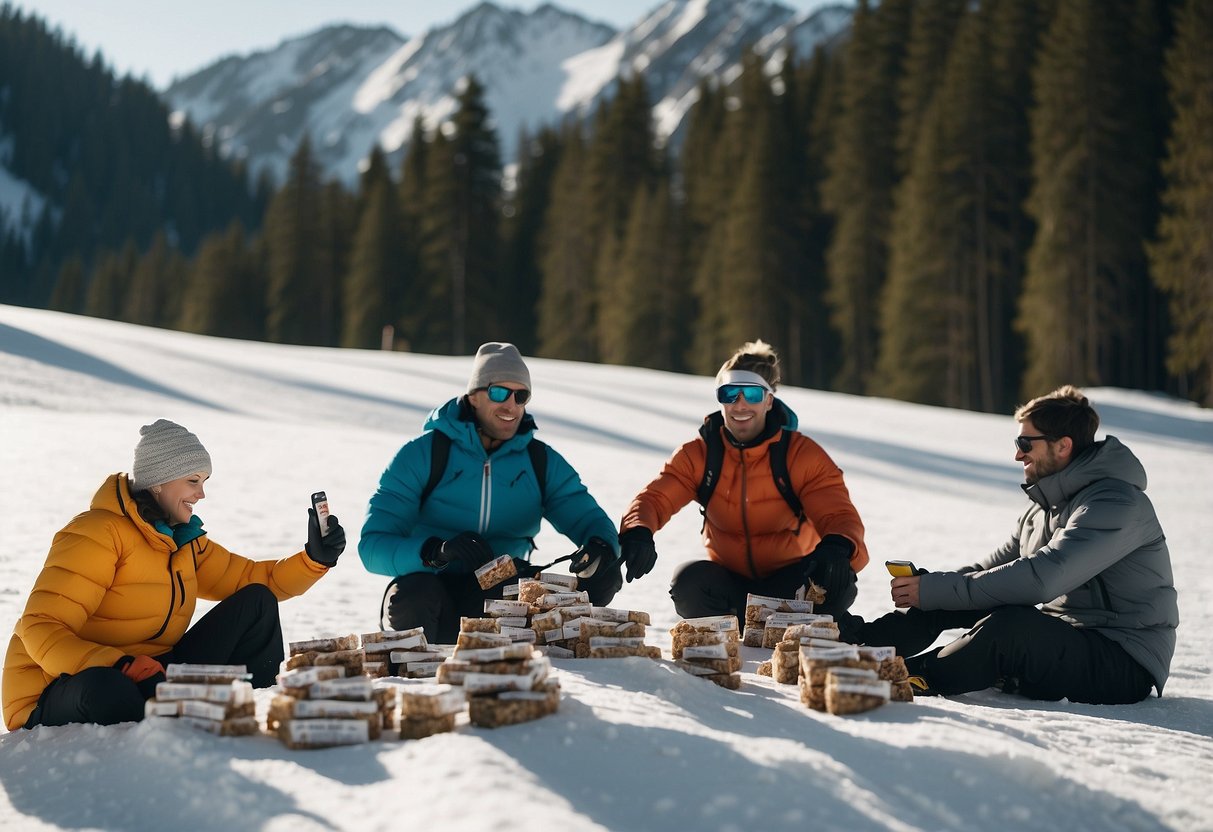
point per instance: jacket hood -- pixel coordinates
(457, 420)
(1108, 459)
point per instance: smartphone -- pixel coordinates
(902, 568)
(320, 502)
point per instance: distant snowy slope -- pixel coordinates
(637, 744)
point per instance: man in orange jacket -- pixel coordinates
(756, 541)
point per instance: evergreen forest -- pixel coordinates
(963, 204)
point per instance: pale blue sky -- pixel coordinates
(160, 39)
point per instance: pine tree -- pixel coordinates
(460, 229)
(292, 228)
(933, 24)
(153, 296)
(1079, 309)
(521, 276)
(225, 289)
(110, 279)
(859, 189)
(1182, 258)
(68, 295)
(566, 308)
(374, 267)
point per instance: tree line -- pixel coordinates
(964, 204)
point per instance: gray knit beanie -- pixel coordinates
(496, 362)
(166, 451)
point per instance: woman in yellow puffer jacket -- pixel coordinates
(114, 601)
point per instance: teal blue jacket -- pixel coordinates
(494, 494)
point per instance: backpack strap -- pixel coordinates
(777, 453)
(710, 431)
(538, 452)
(440, 452)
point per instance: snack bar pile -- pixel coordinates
(401, 653)
(766, 618)
(709, 648)
(216, 698)
(505, 681)
(326, 699)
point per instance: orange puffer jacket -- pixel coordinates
(113, 586)
(748, 527)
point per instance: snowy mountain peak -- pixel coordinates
(350, 88)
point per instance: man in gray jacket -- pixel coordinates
(1088, 550)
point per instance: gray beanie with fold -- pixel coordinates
(496, 362)
(166, 451)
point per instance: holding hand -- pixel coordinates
(324, 549)
(639, 553)
(586, 560)
(467, 549)
(829, 566)
(905, 591)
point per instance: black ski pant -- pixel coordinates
(703, 587)
(435, 601)
(241, 629)
(1019, 649)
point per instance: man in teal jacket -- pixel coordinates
(1088, 549)
(487, 503)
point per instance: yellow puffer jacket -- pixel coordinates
(113, 586)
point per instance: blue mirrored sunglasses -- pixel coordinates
(499, 394)
(728, 393)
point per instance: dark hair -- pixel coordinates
(147, 506)
(1064, 412)
(756, 357)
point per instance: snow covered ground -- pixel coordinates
(637, 744)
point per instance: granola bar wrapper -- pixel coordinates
(323, 733)
(621, 616)
(351, 660)
(215, 710)
(683, 639)
(234, 693)
(243, 726)
(753, 635)
(785, 663)
(853, 697)
(325, 645)
(478, 625)
(431, 701)
(499, 609)
(514, 707)
(350, 689)
(505, 652)
(707, 624)
(154, 708)
(420, 727)
(565, 582)
(210, 674)
(496, 571)
(476, 641)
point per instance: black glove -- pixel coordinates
(829, 566)
(589, 557)
(467, 549)
(325, 549)
(639, 553)
(605, 582)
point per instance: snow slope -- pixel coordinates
(637, 744)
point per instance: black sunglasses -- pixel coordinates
(1024, 443)
(499, 394)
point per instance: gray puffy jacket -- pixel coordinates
(1090, 550)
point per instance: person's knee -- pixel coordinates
(700, 588)
(413, 600)
(107, 697)
(1007, 623)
